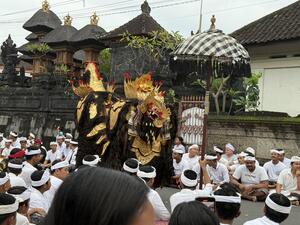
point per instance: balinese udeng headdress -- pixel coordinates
(144, 89)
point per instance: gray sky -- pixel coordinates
(230, 14)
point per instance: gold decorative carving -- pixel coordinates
(101, 139)
(45, 6)
(94, 19)
(114, 113)
(68, 20)
(105, 147)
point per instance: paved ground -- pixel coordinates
(249, 211)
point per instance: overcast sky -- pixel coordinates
(183, 17)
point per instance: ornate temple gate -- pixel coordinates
(190, 119)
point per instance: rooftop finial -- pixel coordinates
(68, 20)
(94, 19)
(145, 7)
(213, 25)
(45, 6)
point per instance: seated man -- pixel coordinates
(188, 184)
(277, 209)
(282, 158)
(191, 158)
(217, 172)
(219, 152)
(289, 179)
(251, 180)
(228, 203)
(178, 163)
(273, 168)
(148, 174)
(229, 155)
(241, 161)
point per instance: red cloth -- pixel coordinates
(19, 154)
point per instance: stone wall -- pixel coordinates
(260, 133)
(36, 110)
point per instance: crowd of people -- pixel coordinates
(44, 187)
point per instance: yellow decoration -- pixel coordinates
(68, 20)
(105, 147)
(79, 108)
(94, 19)
(101, 139)
(45, 6)
(145, 152)
(93, 111)
(114, 113)
(96, 129)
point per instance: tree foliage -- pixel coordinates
(39, 48)
(104, 62)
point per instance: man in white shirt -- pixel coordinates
(229, 155)
(273, 168)
(7, 148)
(188, 184)
(30, 140)
(14, 168)
(33, 157)
(9, 205)
(283, 159)
(148, 174)
(23, 143)
(219, 152)
(61, 145)
(178, 163)
(52, 155)
(14, 137)
(289, 178)
(71, 157)
(217, 172)
(191, 158)
(40, 182)
(254, 180)
(2, 142)
(277, 209)
(59, 171)
(4, 182)
(67, 148)
(240, 157)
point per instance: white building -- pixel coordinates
(273, 43)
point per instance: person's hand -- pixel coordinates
(241, 187)
(203, 163)
(36, 210)
(248, 188)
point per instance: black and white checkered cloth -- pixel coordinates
(216, 44)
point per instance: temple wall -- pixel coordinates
(262, 134)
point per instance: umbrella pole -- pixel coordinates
(205, 118)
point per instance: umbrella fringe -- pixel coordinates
(202, 67)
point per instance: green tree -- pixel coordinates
(38, 49)
(104, 62)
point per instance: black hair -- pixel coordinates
(6, 199)
(15, 170)
(18, 190)
(89, 158)
(273, 215)
(36, 176)
(31, 148)
(2, 174)
(226, 210)
(193, 213)
(105, 197)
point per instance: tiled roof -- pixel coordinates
(280, 25)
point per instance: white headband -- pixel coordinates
(15, 166)
(143, 174)
(129, 169)
(91, 163)
(32, 135)
(249, 158)
(275, 151)
(33, 152)
(278, 208)
(74, 142)
(228, 199)
(230, 146)
(13, 134)
(6, 209)
(243, 154)
(53, 143)
(216, 149)
(188, 182)
(295, 159)
(60, 165)
(210, 157)
(23, 196)
(194, 146)
(42, 181)
(3, 180)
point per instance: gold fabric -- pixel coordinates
(114, 113)
(145, 152)
(105, 147)
(96, 129)
(93, 110)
